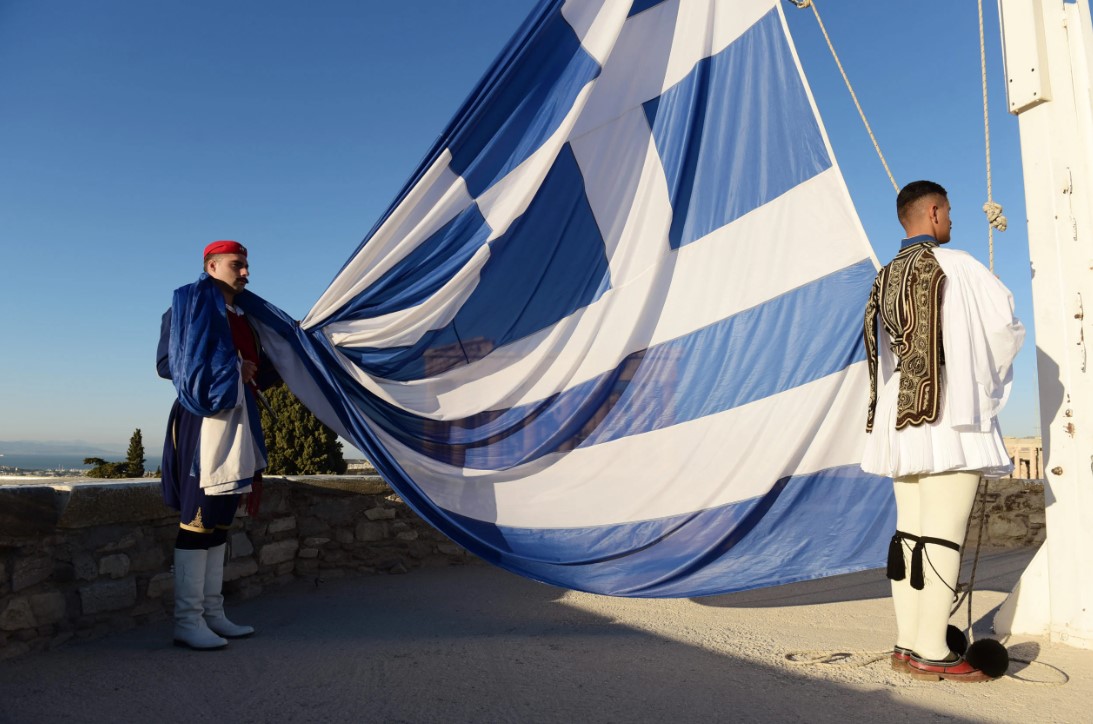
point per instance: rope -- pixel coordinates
(969, 588)
(802, 4)
(995, 219)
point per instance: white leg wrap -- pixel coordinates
(905, 598)
(945, 502)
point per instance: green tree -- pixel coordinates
(104, 469)
(135, 457)
(296, 442)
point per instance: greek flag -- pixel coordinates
(608, 336)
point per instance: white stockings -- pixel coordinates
(933, 506)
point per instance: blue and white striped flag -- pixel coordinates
(608, 336)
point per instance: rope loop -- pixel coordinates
(994, 215)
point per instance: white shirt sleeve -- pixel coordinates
(980, 336)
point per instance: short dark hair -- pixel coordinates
(914, 191)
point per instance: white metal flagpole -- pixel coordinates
(1046, 45)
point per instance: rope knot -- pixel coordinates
(994, 215)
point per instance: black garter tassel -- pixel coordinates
(897, 569)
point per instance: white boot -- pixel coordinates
(190, 628)
(214, 597)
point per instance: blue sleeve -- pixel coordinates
(163, 367)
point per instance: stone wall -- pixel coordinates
(1015, 514)
(81, 560)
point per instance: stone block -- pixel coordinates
(28, 511)
(125, 543)
(48, 608)
(90, 505)
(308, 553)
(279, 552)
(339, 510)
(398, 526)
(85, 567)
(307, 567)
(344, 536)
(30, 571)
(284, 569)
(310, 526)
(108, 596)
(407, 535)
(281, 525)
(357, 484)
(115, 565)
(368, 531)
(1006, 530)
(380, 513)
(316, 542)
(17, 615)
(450, 549)
(162, 583)
(240, 568)
(241, 547)
(333, 555)
(63, 572)
(152, 559)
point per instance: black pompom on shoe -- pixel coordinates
(989, 656)
(957, 641)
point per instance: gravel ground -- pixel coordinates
(477, 644)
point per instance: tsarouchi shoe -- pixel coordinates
(901, 659)
(952, 668)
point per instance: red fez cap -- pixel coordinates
(225, 247)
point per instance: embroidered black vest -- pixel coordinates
(906, 297)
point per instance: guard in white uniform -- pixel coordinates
(940, 338)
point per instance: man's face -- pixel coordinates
(943, 225)
(231, 270)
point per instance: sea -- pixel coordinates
(62, 461)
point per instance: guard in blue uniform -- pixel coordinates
(214, 451)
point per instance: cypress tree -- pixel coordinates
(296, 442)
(135, 457)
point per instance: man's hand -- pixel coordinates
(250, 371)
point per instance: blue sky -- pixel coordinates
(133, 133)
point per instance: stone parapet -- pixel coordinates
(84, 558)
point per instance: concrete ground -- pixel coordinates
(476, 644)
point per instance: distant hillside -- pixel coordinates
(55, 447)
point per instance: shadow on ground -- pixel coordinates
(447, 645)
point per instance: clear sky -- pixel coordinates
(132, 133)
